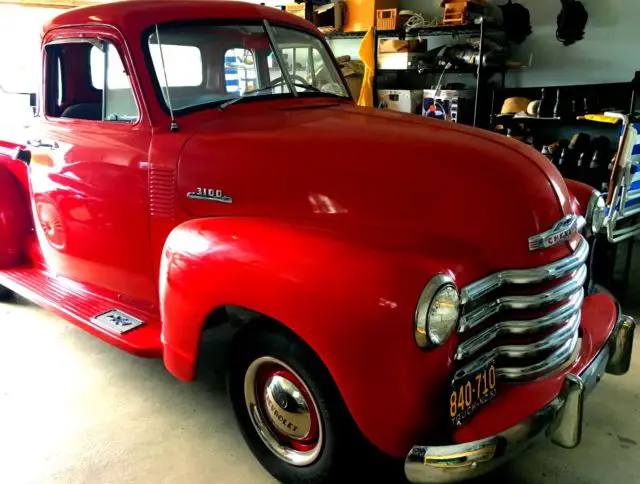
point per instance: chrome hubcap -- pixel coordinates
(287, 408)
(283, 411)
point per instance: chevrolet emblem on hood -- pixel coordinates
(562, 231)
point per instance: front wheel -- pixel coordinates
(289, 410)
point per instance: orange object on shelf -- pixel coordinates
(361, 14)
(296, 9)
(456, 12)
(387, 19)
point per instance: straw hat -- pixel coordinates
(515, 105)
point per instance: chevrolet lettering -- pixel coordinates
(562, 231)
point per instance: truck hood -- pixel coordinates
(422, 185)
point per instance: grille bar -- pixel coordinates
(555, 318)
(551, 342)
(544, 367)
(524, 373)
(534, 275)
(557, 294)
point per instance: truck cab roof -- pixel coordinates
(135, 16)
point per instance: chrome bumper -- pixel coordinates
(560, 420)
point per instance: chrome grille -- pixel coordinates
(529, 334)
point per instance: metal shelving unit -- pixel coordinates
(344, 35)
(480, 29)
(469, 29)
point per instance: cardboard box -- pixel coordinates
(399, 60)
(353, 72)
(297, 9)
(329, 16)
(387, 46)
(361, 14)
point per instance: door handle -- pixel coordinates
(38, 143)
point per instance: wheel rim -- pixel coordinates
(283, 411)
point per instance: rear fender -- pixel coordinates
(352, 304)
(15, 218)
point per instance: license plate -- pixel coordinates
(472, 392)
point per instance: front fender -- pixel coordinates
(581, 193)
(351, 302)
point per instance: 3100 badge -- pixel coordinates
(471, 392)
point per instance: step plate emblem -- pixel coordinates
(117, 321)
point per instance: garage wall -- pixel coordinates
(607, 54)
(19, 64)
(20, 47)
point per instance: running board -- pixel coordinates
(131, 329)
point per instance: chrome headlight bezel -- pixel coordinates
(596, 213)
(425, 333)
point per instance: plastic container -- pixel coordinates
(387, 19)
(361, 14)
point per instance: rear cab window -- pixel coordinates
(88, 80)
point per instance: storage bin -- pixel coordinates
(361, 14)
(297, 9)
(387, 19)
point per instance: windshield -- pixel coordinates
(207, 65)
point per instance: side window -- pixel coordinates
(240, 74)
(107, 74)
(87, 80)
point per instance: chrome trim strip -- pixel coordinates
(557, 294)
(526, 276)
(557, 317)
(558, 340)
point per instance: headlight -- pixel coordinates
(437, 312)
(596, 213)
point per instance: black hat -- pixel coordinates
(516, 21)
(571, 22)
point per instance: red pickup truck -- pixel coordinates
(401, 287)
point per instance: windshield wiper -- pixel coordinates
(271, 86)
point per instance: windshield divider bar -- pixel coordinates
(279, 58)
(173, 126)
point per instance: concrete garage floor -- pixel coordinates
(75, 410)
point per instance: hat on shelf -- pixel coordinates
(533, 108)
(515, 105)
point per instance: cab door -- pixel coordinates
(89, 167)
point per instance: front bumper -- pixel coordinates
(560, 420)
